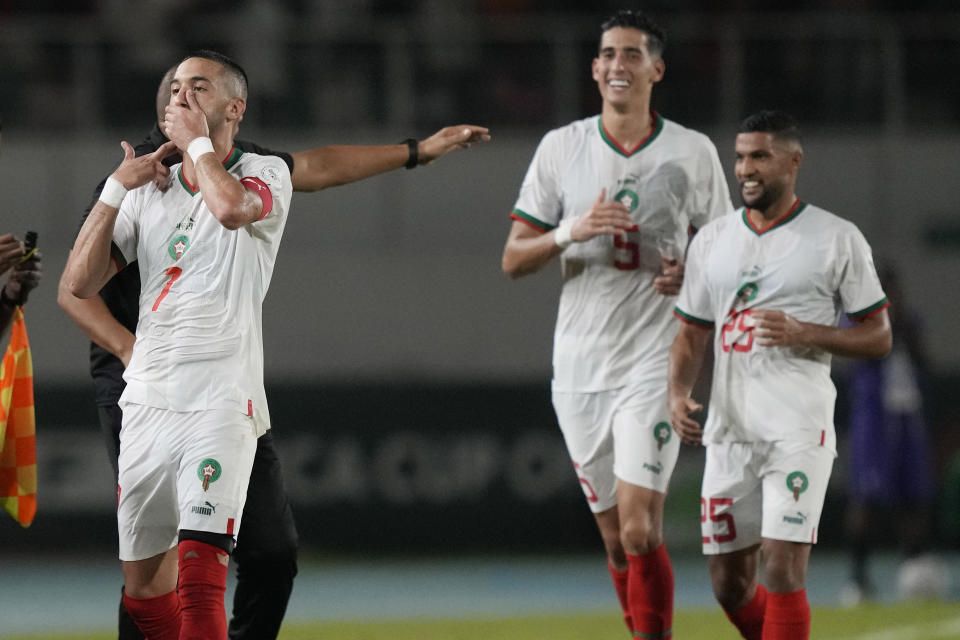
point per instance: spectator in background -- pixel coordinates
(890, 467)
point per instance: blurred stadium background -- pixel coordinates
(408, 378)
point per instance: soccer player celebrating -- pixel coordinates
(266, 558)
(194, 403)
(773, 279)
(615, 196)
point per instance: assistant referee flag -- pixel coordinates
(18, 452)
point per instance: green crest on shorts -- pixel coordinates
(797, 483)
(178, 246)
(627, 198)
(208, 471)
(662, 432)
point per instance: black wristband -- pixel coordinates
(413, 148)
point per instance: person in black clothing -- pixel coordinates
(266, 552)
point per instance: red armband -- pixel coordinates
(259, 187)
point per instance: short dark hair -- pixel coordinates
(231, 65)
(635, 19)
(781, 124)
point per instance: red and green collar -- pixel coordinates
(655, 129)
(794, 211)
(232, 158)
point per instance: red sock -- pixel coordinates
(787, 616)
(620, 584)
(749, 618)
(203, 583)
(650, 594)
(157, 617)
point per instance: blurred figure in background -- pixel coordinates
(891, 480)
(21, 281)
(23, 278)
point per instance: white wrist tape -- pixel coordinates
(198, 147)
(113, 193)
(562, 234)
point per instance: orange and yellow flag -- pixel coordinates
(18, 452)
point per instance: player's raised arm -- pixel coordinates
(89, 265)
(528, 249)
(185, 123)
(330, 166)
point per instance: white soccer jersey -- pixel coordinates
(811, 265)
(199, 336)
(613, 328)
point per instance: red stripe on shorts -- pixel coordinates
(230, 526)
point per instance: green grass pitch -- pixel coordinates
(909, 621)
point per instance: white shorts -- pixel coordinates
(624, 433)
(180, 470)
(762, 490)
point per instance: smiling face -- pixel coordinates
(625, 70)
(766, 169)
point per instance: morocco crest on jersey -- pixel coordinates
(178, 247)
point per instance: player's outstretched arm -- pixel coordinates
(870, 338)
(95, 320)
(686, 358)
(331, 166)
(528, 249)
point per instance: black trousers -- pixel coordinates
(266, 552)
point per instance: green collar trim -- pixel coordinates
(643, 144)
(232, 158)
(794, 211)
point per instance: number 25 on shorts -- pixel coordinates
(718, 520)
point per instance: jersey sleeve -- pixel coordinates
(693, 304)
(539, 203)
(861, 293)
(711, 196)
(269, 178)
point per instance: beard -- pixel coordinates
(770, 194)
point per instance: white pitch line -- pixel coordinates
(941, 629)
